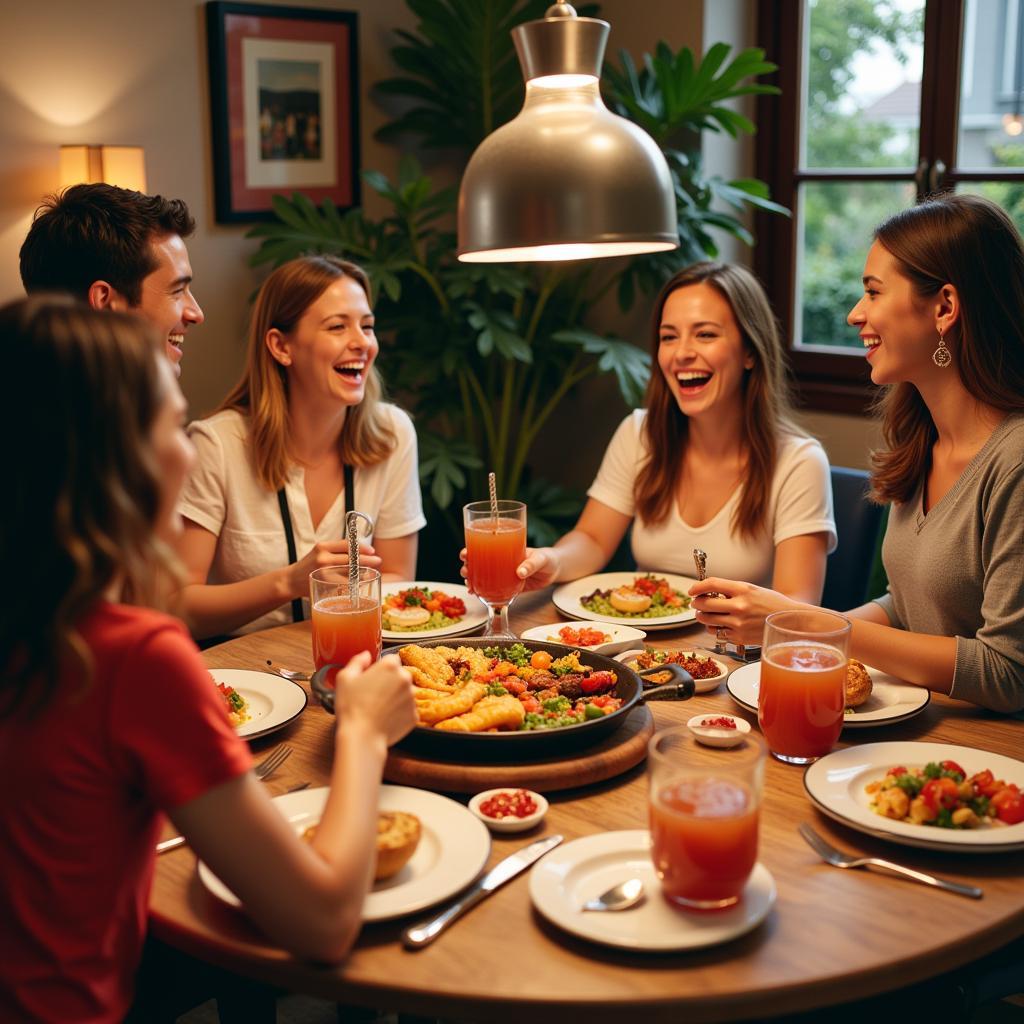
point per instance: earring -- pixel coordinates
(941, 356)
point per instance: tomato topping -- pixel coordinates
(939, 793)
(582, 637)
(541, 661)
(597, 682)
(897, 771)
(518, 804)
(952, 766)
(1008, 805)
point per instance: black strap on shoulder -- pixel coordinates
(350, 489)
(289, 536)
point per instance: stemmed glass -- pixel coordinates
(495, 546)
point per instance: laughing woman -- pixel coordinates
(303, 437)
(942, 318)
(714, 461)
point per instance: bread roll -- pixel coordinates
(398, 835)
(858, 684)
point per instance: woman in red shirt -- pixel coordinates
(108, 716)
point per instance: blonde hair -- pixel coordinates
(83, 496)
(262, 392)
(767, 408)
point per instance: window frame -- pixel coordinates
(840, 381)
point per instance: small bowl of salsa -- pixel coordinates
(509, 810)
(715, 730)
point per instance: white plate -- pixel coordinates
(476, 613)
(622, 637)
(575, 872)
(836, 782)
(567, 599)
(273, 701)
(628, 658)
(453, 850)
(891, 700)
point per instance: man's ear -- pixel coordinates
(277, 345)
(105, 296)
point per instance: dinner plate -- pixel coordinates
(453, 849)
(891, 700)
(475, 617)
(581, 870)
(835, 783)
(622, 637)
(273, 701)
(567, 599)
(628, 658)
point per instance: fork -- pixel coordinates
(842, 860)
(287, 673)
(272, 762)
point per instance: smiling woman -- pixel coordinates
(300, 440)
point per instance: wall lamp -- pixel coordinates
(124, 166)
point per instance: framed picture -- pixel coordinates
(284, 91)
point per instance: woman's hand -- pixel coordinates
(739, 608)
(380, 696)
(538, 570)
(333, 552)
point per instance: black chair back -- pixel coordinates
(858, 524)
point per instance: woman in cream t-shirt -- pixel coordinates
(301, 437)
(714, 461)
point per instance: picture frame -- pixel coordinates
(284, 97)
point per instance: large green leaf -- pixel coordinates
(631, 365)
(443, 463)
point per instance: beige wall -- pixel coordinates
(134, 73)
(130, 72)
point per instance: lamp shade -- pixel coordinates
(124, 166)
(566, 179)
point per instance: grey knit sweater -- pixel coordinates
(959, 570)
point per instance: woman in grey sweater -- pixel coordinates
(942, 321)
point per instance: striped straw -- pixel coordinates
(352, 529)
(492, 488)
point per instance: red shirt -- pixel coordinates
(83, 785)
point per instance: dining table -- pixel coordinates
(832, 936)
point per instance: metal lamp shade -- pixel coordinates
(566, 179)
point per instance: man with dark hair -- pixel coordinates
(116, 249)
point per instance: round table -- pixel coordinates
(833, 935)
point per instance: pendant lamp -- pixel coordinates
(566, 179)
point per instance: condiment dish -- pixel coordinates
(510, 823)
(619, 637)
(718, 735)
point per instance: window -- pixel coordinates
(883, 102)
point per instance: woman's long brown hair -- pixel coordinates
(969, 242)
(81, 391)
(262, 393)
(767, 408)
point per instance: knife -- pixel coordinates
(423, 934)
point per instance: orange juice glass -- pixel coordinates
(802, 695)
(342, 628)
(495, 545)
(705, 809)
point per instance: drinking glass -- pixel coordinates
(705, 808)
(494, 548)
(802, 695)
(342, 628)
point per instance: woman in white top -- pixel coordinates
(273, 462)
(714, 461)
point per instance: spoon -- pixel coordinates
(619, 897)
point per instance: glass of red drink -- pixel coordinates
(342, 628)
(705, 808)
(495, 545)
(802, 696)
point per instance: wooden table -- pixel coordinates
(832, 937)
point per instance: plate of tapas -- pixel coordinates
(258, 703)
(644, 600)
(603, 639)
(872, 697)
(414, 610)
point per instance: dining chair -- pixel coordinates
(859, 526)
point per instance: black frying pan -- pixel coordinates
(512, 747)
